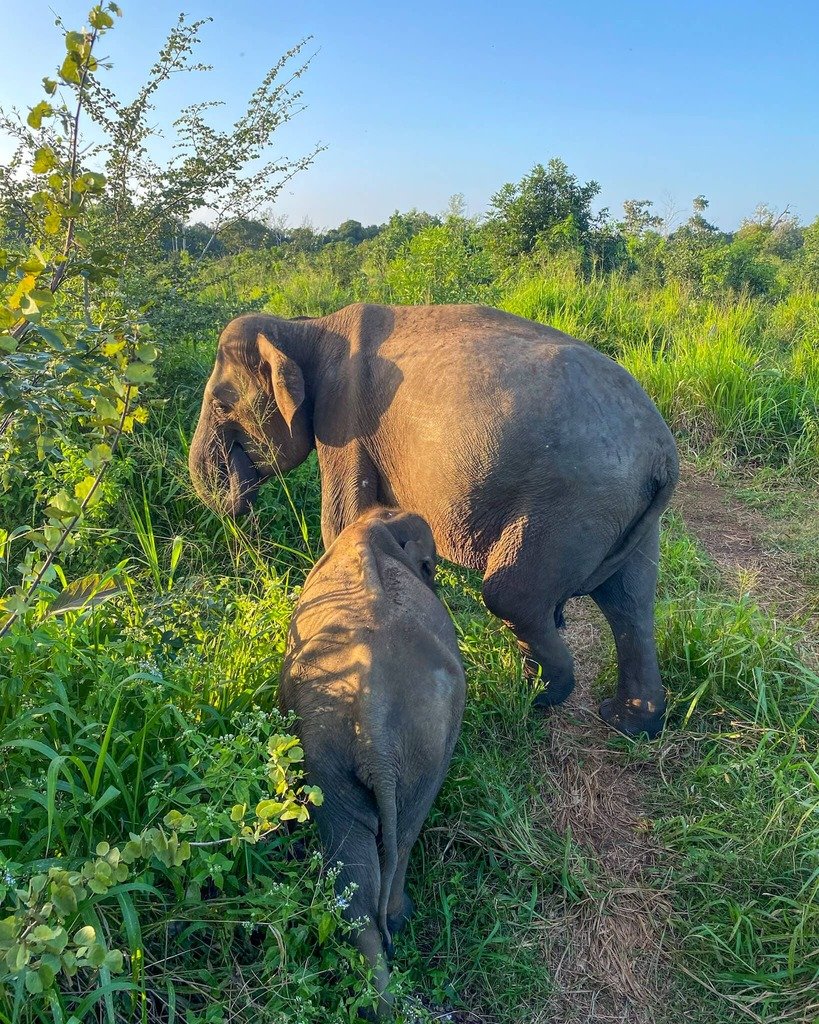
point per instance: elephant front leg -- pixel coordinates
(349, 486)
(627, 601)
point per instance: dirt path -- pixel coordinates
(606, 952)
(732, 534)
(609, 953)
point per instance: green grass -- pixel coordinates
(163, 698)
(741, 811)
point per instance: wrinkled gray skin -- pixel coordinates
(373, 674)
(533, 457)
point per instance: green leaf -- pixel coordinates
(85, 936)
(47, 974)
(64, 899)
(327, 925)
(34, 984)
(74, 41)
(132, 851)
(114, 961)
(100, 19)
(53, 338)
(70, 69)
(87, 486)
(139, 373)
(176, 554)
(86, 592)
(314, 795)
(45, 160)
(35, 262)
(96, 955)
(59, 940)
(36, 114)
(50, 86)
(237, 812)
(179, 822)
(90, 181)
(98, 456)
(146, 352)
(105, 410)
(103, 848)
(36, 301)
(266, 809)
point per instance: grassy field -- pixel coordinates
(692, 891)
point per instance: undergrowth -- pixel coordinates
(161, 699)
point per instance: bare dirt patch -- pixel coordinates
(607, 952)
(733, 536)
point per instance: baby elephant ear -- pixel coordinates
(421, 560)
(286, 377)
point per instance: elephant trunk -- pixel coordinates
(223, 474)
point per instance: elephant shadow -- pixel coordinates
(362, 384)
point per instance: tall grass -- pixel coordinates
(740, 811)
(739, 378)
(163, 697)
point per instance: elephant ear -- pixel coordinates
(421, 561)
(286, 377)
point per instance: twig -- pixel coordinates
(59, 271)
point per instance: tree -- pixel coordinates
(638, 218)
(547, 201)
(400, 228)
(687, 247)
(75, 346)
(775, 235)
(244, 233)
(807, 272)
(351, 231)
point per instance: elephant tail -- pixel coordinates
(387, 812)
(659, 489)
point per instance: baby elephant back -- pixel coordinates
(374, 676)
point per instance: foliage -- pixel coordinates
(547, 206)
(76, 350)
(157, 862)
(741, 813)
(443, 263)
(73, 362)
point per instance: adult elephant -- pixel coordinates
(535, 459)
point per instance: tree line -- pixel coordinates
(549, 213)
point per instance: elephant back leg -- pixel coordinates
(627, 600)
(525, 585)
(353, 843)
(415, 801)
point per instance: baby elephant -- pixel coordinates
(374, 676)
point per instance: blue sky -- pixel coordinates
(415, 102)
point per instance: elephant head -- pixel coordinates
(411, 534)
(254, 422)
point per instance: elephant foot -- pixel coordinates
(559, 684)
(396, 922)
(634, 717)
